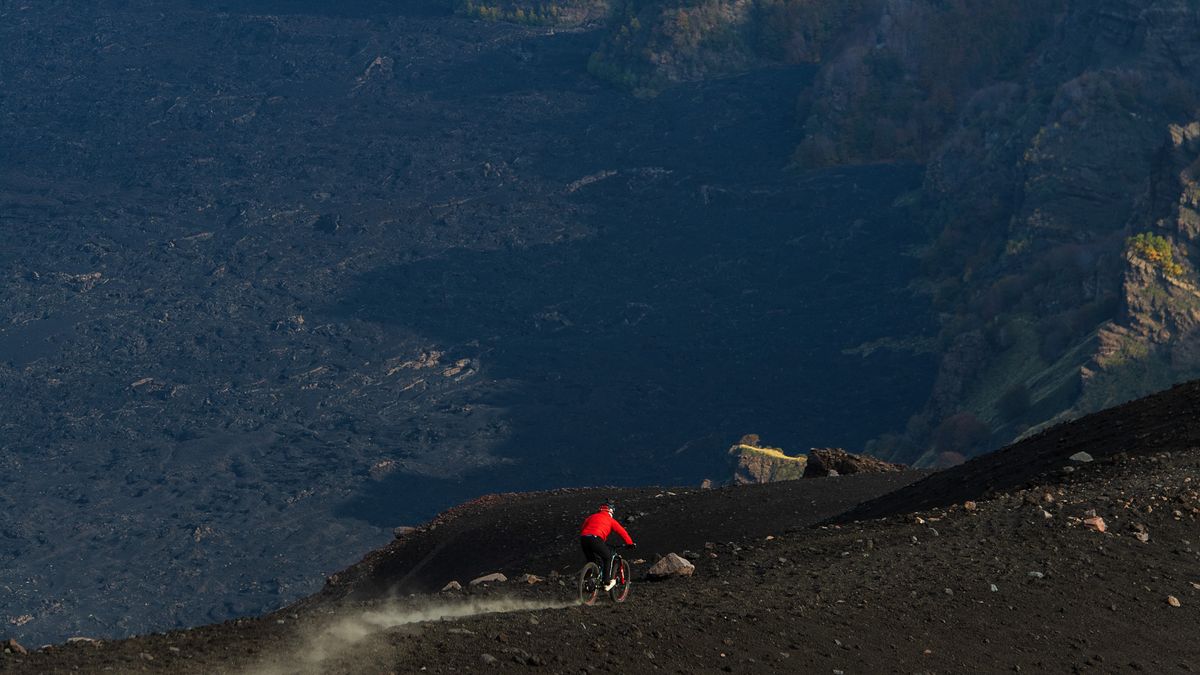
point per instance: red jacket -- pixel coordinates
(600, 524)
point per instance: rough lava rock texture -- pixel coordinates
(671, 565)
(821, 461)
(277, 276)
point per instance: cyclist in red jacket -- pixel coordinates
(592, 538)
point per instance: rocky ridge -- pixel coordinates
(756, 463)
(837, 462)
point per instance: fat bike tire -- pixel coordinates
(589, 584)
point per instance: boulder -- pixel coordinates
(755, 463)
(669, 566)
(837, 462)
(14, 647)
(77, 640)
(495, 577)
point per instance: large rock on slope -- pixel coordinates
(836, 461)
(754, 463)
(671, 565)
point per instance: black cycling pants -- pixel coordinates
(595, 550)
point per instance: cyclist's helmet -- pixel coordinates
(608, 506)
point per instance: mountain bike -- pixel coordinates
(590, 586)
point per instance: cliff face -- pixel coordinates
(1101, 158)
(1155, 342)
(651, 45)
(1053, 132)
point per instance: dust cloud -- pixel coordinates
(339, 634)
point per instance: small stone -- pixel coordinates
(530, 579)
(970, 506)
(1173, 601)
(1046, 514)
(1036, 575)
(146, 657)
(1081, 457)
(993, 588)
(452, 586)
(487, 659)
(14, 647)
(403, 531)
(495, 577)
(1096, 523)
(1143, 537)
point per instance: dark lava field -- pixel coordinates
(275, 279)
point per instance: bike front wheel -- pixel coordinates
(589, 583)
(621, 573)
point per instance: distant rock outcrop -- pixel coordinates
(755, 463)
(838, 462)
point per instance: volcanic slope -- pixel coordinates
(1012, 581)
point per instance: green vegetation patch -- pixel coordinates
(1156, 250)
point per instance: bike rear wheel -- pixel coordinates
(589, 583)
(621, 573)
